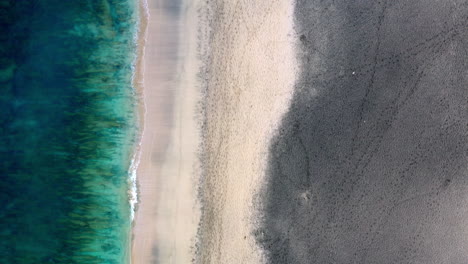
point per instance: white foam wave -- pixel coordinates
(133, 189)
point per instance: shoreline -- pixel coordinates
(166, 90)
(137, 83)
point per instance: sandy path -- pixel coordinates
(250, 78)
(166, 219)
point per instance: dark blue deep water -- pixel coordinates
(67, 130)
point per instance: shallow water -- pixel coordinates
(67, 130)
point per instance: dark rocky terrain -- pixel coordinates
(370, 163)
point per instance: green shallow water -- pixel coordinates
(67, 130)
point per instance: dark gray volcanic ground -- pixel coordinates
(370, 164)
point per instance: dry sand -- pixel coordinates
(250, 74)
(247, 80)
(167, 214)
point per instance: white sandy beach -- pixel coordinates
(248, 73)
(251, 73)
(167, 216)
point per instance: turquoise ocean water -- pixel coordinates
(67, 130)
